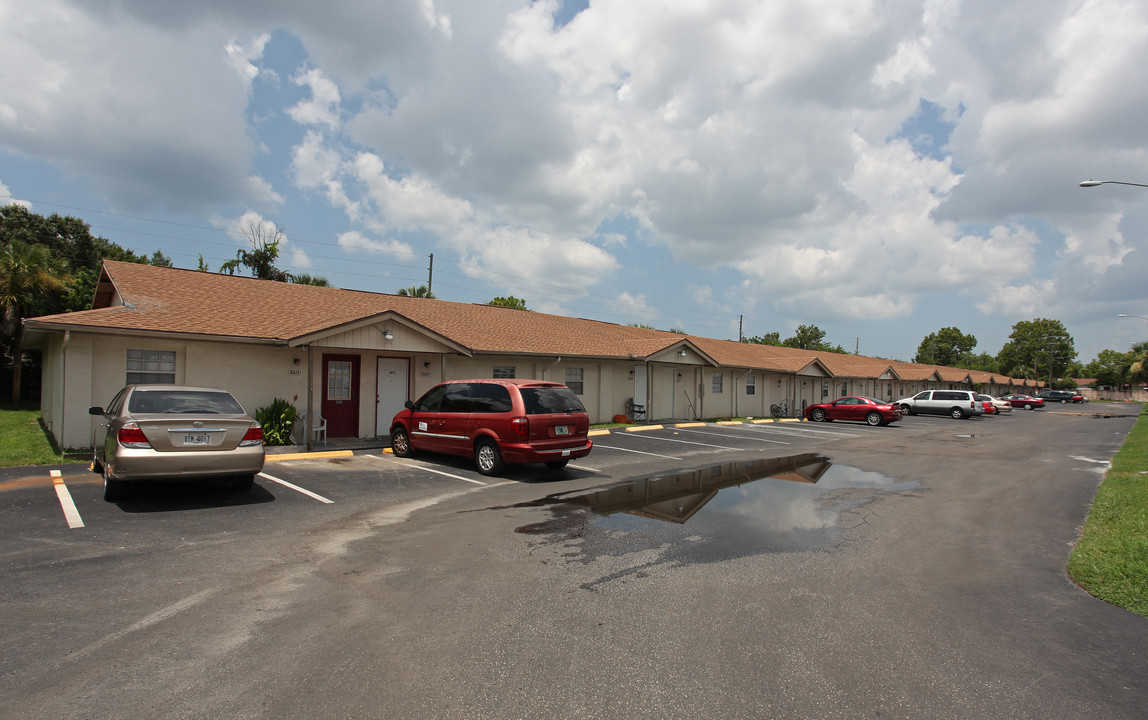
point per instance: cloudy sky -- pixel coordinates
(878, 168)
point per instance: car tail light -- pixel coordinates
(253, 436)
(521, 426)
(130, 436)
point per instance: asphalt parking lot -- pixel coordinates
(774, 569)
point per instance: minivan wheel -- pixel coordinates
(97, 466)
(957, 413)
(488, 458)
(557, 464)
(401, 443)
(906, 409)
(874, 418)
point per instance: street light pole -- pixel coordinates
(1094, 183)
(1135, 316)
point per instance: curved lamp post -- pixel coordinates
(1135, 316)
(1094, 183)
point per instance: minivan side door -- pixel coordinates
(424, 422)
(922, 402)
(453, 414)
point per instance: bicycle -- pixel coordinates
(780, 409)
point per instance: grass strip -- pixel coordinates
(1111, 559)
(24, 440)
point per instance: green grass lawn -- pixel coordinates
(24, 441)
(1111, 559)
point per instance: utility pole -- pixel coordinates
(430, 274)
(740, 336)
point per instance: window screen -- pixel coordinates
(574, 380)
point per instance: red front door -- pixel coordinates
(341, 395)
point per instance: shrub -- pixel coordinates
(278, 420)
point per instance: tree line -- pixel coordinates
(51, 264)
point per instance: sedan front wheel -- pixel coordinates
(817, 415)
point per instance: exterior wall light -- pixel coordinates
(388, 335)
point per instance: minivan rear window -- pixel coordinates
(544, 400)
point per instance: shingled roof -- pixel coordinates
(135, 298)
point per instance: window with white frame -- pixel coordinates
(717, 383)
(750, 385)
(503, 372)
(574, 380)
(151, 366)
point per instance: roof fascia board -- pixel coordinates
(48, 328)
(385, 316)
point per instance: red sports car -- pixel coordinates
(863, 409)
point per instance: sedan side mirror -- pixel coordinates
(409, 404)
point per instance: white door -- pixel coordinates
(392, 393)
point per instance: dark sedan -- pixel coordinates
(862, 409)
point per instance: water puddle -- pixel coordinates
(713, 513)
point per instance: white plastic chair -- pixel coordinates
(317, 427)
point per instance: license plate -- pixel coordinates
(196, 439)
(561, 429)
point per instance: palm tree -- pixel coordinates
(28, 275)
(1138, 370)
(420, 291)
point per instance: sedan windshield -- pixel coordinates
(183, 402)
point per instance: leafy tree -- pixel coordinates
(159, 259)
(773, 338)
(677, 331)
(29, 275)
(983, 362)
(643, 326)
(945, 347)
(260, 259)
(305, 279)
(419, 291)
(1037, 348)
(1138, 365)
(1109, 368)
(203, 267)
(811, 337)
(509, 302)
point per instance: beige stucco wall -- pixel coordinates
(94, 368)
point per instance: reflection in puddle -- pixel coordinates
(714, 513)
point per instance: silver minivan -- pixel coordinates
(954, 403)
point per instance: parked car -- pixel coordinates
(987, 403)
(954, 403)
(864, 409)
(1060, 396)
(174, 432)
(1027, 402)
(999, 405)
(495, 422)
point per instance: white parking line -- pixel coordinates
(296, 488)
(430, 470)
(713, 434)
(620, 449)
(71, 514)
(686, 442)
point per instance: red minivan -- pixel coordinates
(496, 422)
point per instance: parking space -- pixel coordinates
(70, 497)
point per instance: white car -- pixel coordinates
(1002, 406)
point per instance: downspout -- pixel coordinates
(310, 395)
(550, 366)
(63, 385)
